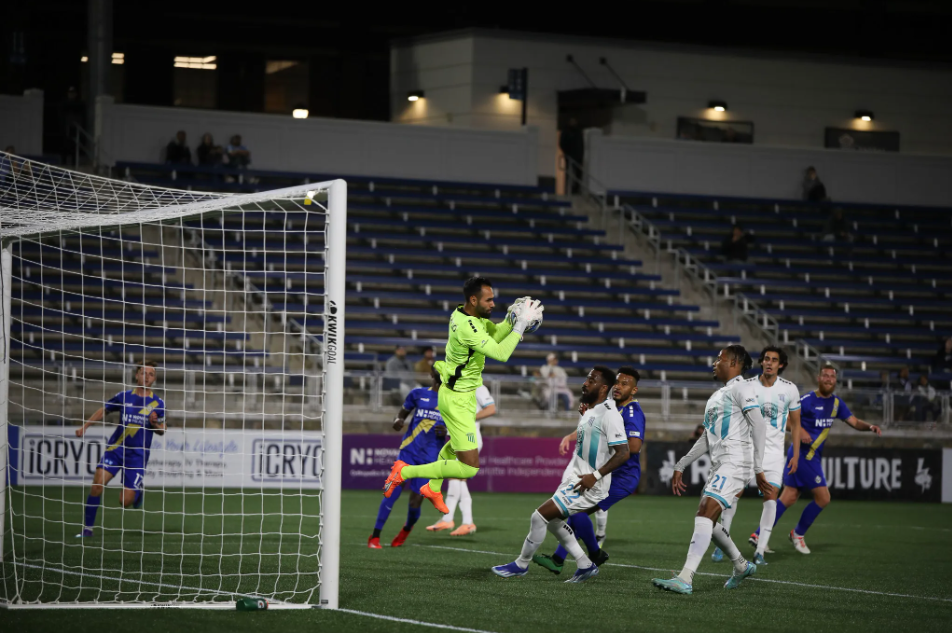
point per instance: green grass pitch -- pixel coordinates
(874, 567)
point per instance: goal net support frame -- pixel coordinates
(160, 205)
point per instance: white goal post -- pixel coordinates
(238, 302)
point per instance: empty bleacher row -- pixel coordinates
(875, 301)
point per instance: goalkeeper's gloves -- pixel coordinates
(518, 305)
(530, 311)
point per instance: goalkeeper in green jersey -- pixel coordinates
(472, 337)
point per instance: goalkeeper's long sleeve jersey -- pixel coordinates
(470, 341)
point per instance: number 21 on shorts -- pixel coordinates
(718, 483)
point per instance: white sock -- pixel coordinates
(727, 516)
(703, 528)
(601, 523)
(533, 541)
(452, 498)
(767, 518)
(723, 540)
(465, 502)
(567, 538)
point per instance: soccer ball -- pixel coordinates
(533, 325)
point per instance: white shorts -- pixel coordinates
(774, 463)
(726, 482)
(479, 438)
(572, 502)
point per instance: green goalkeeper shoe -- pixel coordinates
(549, 563)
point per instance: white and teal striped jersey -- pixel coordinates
(728, 428)
(598, 429)
(776, 403)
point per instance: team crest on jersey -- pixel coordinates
(710, 416)
(769, 410)
(818, 480)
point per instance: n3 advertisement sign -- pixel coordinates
(851, 473)
(221, 458)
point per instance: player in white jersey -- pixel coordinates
(457, 489)
(601, 447)
(734, 436)
(779, 401)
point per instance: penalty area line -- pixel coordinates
(433, 625)
(752, 578)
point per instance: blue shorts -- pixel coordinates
(621, 488)
(132, 467)
(809, 474)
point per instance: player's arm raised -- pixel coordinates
(700, 448)
(501, 330)
(860, 425)
(479, 339)
(96, 417)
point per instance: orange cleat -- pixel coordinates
(374, 543)
(464, 530)
(394, 479)
(441, 525)
(400, 538)
(435, 497)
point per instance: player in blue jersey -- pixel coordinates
(143, 415)
(624, 479)
(818, 410)
(421, 445)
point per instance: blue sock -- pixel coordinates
(137, 497)
(386, 506)
(92, 507)
(585, 532)
(810, 513)
(413, 515)
(780, 510)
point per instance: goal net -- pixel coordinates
(238, 302)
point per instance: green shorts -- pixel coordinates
(458, 411)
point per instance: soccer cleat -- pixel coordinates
(400, 538)
(86, 533)
(673, 584)
(435, 497)
(798, 543)
(509, 570)
(717, 555)
(734, 581)
(754, 539)
(549, 563)
(464, 530)
(374, 542)
(600, 539)
(440, 525)
(581, 575)
(759, 560)
(600, 558)
(394, 479)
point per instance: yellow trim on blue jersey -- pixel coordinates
(836, 407)
(422, 427)
(818, 442)
(130, 431)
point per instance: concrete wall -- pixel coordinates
(689, 167)
(21, 122)
(790, 100)
(326, 146)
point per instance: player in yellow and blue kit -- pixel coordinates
(818, 410)
(421, 444)
(143, 415)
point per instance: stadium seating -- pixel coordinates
(875, 302)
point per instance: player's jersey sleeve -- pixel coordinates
(840, 410)
(160, 410)
(614, 428)
(483, 397)
(498, 331)
(471, 333)
(115, 403)
(793, 395)
(410, 403)
(634, 422)
(744, 395)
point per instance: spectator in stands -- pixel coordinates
(554, 382)
(177, 151)
(398, 372)
(813, 189)
(902, 401)
(572, 144)
(837, 228)
(238, 155)
(924, 401)
(942, 361)
(209, 154)
(423, 365)
(734, 247)
(698, 432)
